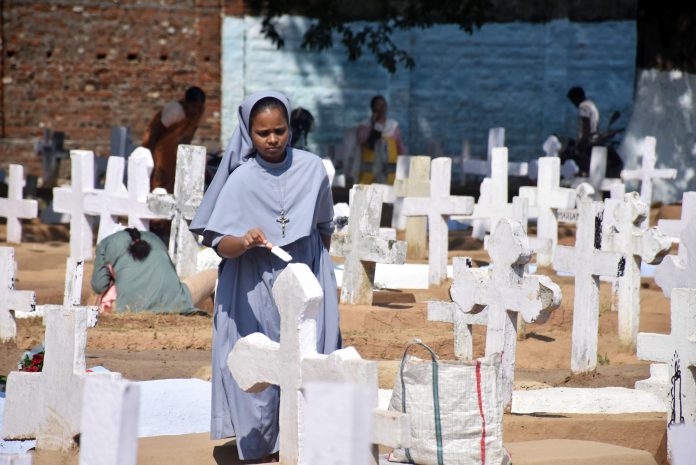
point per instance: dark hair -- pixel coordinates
(374, 100)
(267, 103)
(195, 95)
(576, 94)
(301, 122)
(139, 249)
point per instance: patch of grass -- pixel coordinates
(603, 360)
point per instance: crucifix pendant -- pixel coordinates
(283, 220)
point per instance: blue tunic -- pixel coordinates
(254, 193)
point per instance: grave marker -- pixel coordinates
(10, 298)
(363, 246)
(680, 270)
(15, 207)
(415, 183)
(140, 166)
(257, 362)
(598, 168)
(673, 228)
(107, 203)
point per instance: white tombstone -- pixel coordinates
(107, 203)
(678, 346)
(70, 200)
(451, 312)
(673, 228)
(11, 300)
(587, 262)
(647, 173)
(598, 169)
(438, 208)
(649, 245)
(546, 199)
(109, 424)
(181, 207)
(680, 270)
(363, 246)
(15, 459)
(507, 290)
(140, 166)
(48, 405)
(257, 362)
(338, 423)
(414, 183)
(14, 207)
(496, 138)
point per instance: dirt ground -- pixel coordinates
(149, 346)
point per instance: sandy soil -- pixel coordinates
(149, 346)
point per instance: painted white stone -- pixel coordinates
(415, 183)
(48, 405)
(545, 200)
(109, 425)
(627, 238)
(181, 207)
(362, 245)
(15, 208)
(107, 203)
(587, 262)
(607, 400)
(257, 362)
(438, 207)
(70, 200)
(507, 290)
(403, 165)
(404, 276)
(11, 300)
(647, 173)
(330, 170)
(658, 384)
(680, 270)
(140, 166)
(598, 168)
(15, 459)
(678, 346)
(673, 228)
(496, 139)
(338, 423)
(681, 448)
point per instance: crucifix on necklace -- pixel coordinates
(283, 220)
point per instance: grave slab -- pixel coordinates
(608, 400)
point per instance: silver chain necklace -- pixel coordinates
(282, 220)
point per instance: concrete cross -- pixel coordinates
(598, 170)
(545, 200)
(438, 208)
(48, 405)
(673, 228)
(140, 166)
(330, 169)
(587, 262)
(10, 298)
(180, 207)
(362, 245)
(627, 238)
(109, 422)
(108, 203)
(14, 207)
(494, 205)
(451, 312)
(507, 290)
(679, 344)
(647, 173)
(680, 270)
(257, 362)
(70, 200)
(414, 183)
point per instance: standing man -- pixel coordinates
(175, 124)
(588, 115)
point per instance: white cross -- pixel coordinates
(438, 208)
(181, 207)
(10, 298)
(507, 290)
(587, 262)
(140, 166)
(598, 170)
(673, 228)
(14, 207)
(48, 405)
(107, 203)
(257, 362)
(415, 182)
(545, 200)
(70, 200)
(363, 246)
(680, 270)
(682, 342)
(647, 173)
(627, 238)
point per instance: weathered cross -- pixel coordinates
(680, 342)
(257, 362)
(507, 290)
(680, 270)
(627, 238)
(14, 207)
(108, 203)
(70, 200)
(363, 246)
(545, 200)
(140, 166)
(48, 405)
(647, 173)
(587, 262)
(438, 208)
(598, 170)
(180, 207)
(673, 228)
(415, 182)
(10, 298)
(493, 202)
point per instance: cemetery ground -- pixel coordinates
(148, 346)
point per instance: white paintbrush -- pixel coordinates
(280, 253)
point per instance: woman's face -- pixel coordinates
(269, 134)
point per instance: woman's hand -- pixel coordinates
(233, 246)
(255, 237)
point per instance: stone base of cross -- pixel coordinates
(11, 300)
(257, 362)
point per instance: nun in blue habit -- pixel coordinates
(264, 192)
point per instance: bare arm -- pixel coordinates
(234, 246)
(326, 240)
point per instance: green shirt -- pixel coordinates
(150, 284)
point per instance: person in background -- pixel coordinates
(301, 122)
(588, 116)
